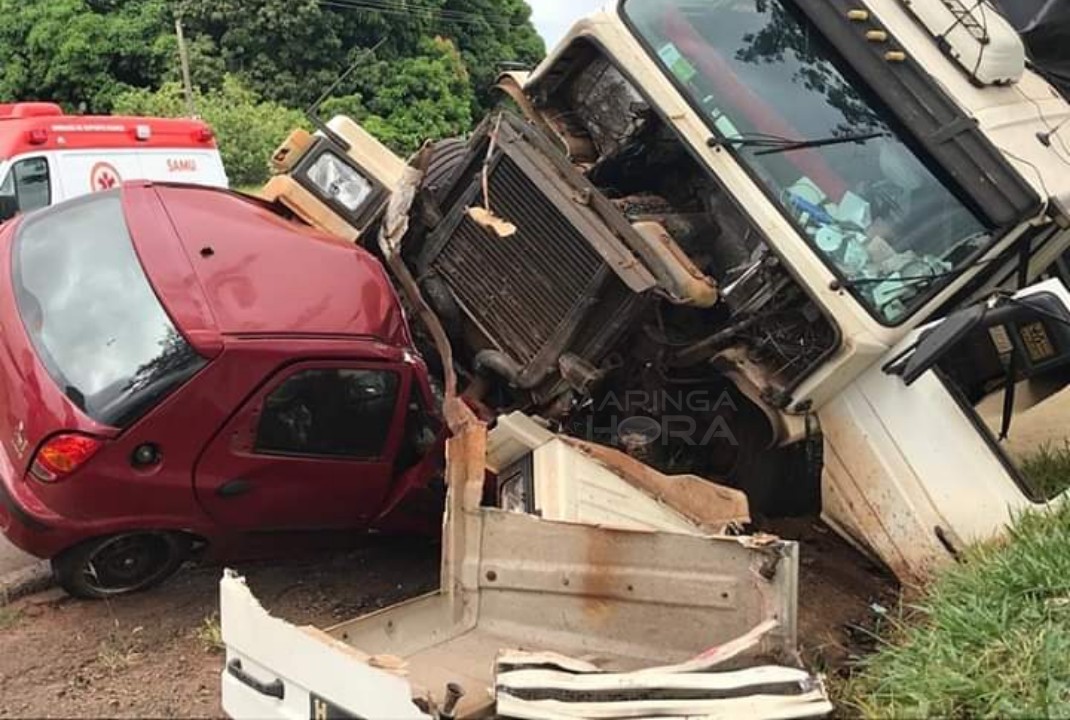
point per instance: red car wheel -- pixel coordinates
(119, 564)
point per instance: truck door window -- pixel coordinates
(1024, 423)
(340, 413)
(25, 188)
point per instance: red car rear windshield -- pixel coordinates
(91, 314)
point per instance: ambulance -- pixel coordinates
(47, 156)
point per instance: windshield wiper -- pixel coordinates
(777, 144)
(823, 142)
(913, 280)
(750, 140)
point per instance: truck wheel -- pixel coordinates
(446, 158)
(119, 564)
(776, 480)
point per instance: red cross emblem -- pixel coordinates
(103, 176)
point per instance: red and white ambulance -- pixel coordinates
(47, 156)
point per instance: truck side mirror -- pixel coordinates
(939, 341)
(1032, 332)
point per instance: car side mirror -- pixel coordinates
(9, 207)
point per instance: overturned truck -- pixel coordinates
(789, 247)
(700, 232)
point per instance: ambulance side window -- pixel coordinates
(25, 188)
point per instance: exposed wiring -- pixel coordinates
(1053, 130)
(960, 20)
(985, 39)
(1040, 176)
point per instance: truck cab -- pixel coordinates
(49, 156)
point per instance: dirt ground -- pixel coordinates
(157, 655)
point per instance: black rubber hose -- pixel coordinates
(503, 366)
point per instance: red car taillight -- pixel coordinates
(63, 454)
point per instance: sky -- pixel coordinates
(553, 18)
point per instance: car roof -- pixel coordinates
(259, 273)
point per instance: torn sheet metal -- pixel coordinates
(545, 686)
(571, 480)
(633, 600)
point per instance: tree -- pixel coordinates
(489, 33)
(252, 59)
(80, 54)
(427, 96)
(289, 51)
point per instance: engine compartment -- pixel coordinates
(626, 286)
(637, 159)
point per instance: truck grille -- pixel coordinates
(522, 289)
(531, 294)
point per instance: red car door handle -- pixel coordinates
(233, 488)
(274, 689)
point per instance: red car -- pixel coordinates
(181, 367)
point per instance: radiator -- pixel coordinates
(529, 294)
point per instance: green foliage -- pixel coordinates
(248, 129)
(291, 50)
(9, 616)
(427, 96)
(81, 54)
(504, 35)
(250, 59)
(210, 634)
(992, 637)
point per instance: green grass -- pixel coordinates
(1049, 469)
(210, 634)
(9, 616)
(992, 636)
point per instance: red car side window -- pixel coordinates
(338, 413)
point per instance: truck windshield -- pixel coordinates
(769, 84)
(91, 314)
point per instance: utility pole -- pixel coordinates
(183, 54)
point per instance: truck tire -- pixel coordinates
(446, 158)
(119, 564)
(776, 480)
(778, 483)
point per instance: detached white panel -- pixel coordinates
(570, 487)
(277, 670)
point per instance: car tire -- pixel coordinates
(120, 564)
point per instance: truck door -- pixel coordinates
(312, 449)
(27, 186)
(914, 467)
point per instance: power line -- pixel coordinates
(408, 9)
(404, 8)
